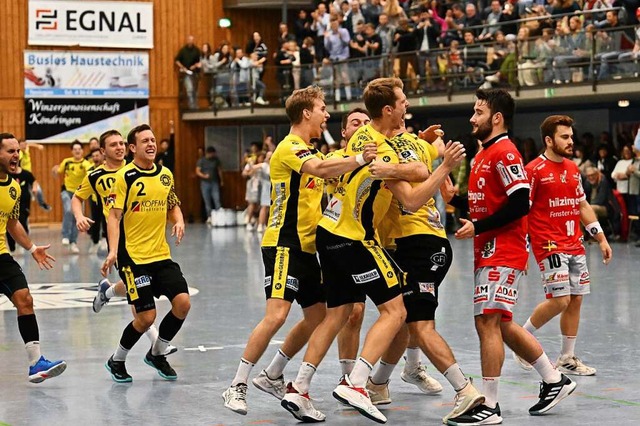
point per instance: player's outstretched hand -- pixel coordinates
(178, 232)
(370, 152)
(454, 153)
(607, 253)
(84, 223)
(44, 259)
(431, 133)
(108, 263)
(466, 231)
(447, 189)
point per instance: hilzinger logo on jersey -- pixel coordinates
(562, 202)
(366, 277)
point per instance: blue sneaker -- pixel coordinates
(45, 369)
(101, 298)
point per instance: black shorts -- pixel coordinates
(353, 270)
(12, 278)
(144, 282)
(425, 260)
(291, 274)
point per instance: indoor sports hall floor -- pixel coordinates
(225, 268)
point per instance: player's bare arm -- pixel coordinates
(177, 230)
(83, 223)
(39, 253)
(339, 166)
(113, 235)
(588, 219)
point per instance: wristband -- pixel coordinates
(360, 159)
(594, 228)
(33, 248)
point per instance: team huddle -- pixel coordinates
(380, 236)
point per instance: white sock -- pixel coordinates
(278, 363)
(360, 373)
(546, 369)
(347, 365)
(382, 373)
(159, 346)
(303, 379)
(568, 345)
(152, 333)
(120, 354)
(412, 358)
(490, 391)
(111, 292)
(242, 374)
(33, 352)
(456, 377)
(529, 327)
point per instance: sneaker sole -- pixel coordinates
(293, 408)
(267, 391)
(555, 402)
(114, 378)
(235, 410)
(428, 392)
(160, 373)
(171, 351)
(479, 399)
(525, 367)
(496, 421)
(49, 374)
(574, 372)
(97, 307)
(362, 411)
(382, 402)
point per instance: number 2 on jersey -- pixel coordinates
(141, 192)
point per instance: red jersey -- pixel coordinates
(554, 217)
(496, 173)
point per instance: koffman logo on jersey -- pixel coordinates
(148, 206)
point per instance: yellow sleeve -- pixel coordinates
(15, 213)
(172, 198)
(85, 190)
(295, 154)
(118, 192)
(88, 165)
(62, 166)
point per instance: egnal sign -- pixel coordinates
(82, 23)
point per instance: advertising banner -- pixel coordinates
(63, 120)
(86, 74)
(91, 23)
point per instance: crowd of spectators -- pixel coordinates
(343, 44)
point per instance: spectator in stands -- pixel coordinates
(307, 61)
(258, 85)
(427, 34)
(405, 42)
(166, 151)
(472, 19)
(385, 31)
(621, 176)
(615, 41)
(561, 7)
(284, 34)
(547, 46)
(354, 15)
(222, 75)
(633, 206)
(507, 18)
(455, 19)
(373, 9)
(188, 62)
(209, 171)
(606, 161)
(240, 75)
(629, 61)
(256, 44)
(581, 159)
(492, 20)
(302, 27)
(94, 145)
(394, 12)
(336, 44)
(373, 65)
(497, 51)
(284, 63)
(357, 54)
(600, 197)
(320, 24)
(574, 45)
(206, 65)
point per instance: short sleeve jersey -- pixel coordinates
(427, 219)
(73, 171)
(361, 202)
(9, 208)
(496, 173)
(554, 216)
(145, 197)
(295, 197)
(331, 183)
(99, 183)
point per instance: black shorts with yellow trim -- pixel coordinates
(353, 270)
(12, 278)
(291, 274)
(144, 282)
(425, 261)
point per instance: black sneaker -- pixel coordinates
(481, 415)
(551, 394)
(159, 362)
(46, 207)
(118, 371)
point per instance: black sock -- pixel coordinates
(28, 327)
(169, 327)
(130, 337)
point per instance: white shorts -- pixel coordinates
(496, 291)
(565, 274)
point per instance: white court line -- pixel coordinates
(203, 348)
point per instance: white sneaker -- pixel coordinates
(379, 394)
(357, 398)
(235, 398)
(261, 101)
(170, 350)
(275, 387)
(74, 248)
(251, 226)
(300, 406)
(93, 249)
(572, 365)
(261, 228)
(465, 400)
(65, 241)
(422, 380)
(522, 363)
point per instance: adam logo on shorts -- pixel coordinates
(366, 277)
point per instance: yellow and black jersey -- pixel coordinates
(9, 208)
(360, 201)
(330, 184)
(426, 220)
(295, 197)
(144, 196)
(74, 171)
(97, 185)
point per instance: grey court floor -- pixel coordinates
(224, 267)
